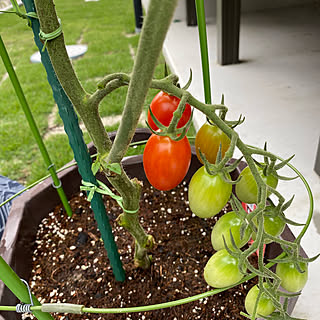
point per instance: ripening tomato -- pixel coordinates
(265, 305)
(166, 162)
(222, 270)
(230, 221)
(291, 279)
(208, 140)
(163, 106)
(208, 194)
(246, 188)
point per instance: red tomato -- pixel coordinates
(162, 106)
(166, 162)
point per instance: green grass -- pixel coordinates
(107, 27)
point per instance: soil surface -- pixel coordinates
(70, 263)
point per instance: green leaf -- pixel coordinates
(114, 167)
(95, 167)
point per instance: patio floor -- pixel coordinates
(277, 87)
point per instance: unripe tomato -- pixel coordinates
(222, 270)
(229, 221)
(273, 226)
(291, 279)
(208, 139)
(208, 194)
(246, 188)
(265, 305)
(166, 162)
(163, 106)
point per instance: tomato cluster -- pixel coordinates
(166, 163)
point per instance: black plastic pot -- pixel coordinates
(31, 207)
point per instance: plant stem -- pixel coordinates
(152, 36)
(153, 33)
(67, 77)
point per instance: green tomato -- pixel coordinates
(291, 279)
(265, 305)
(222, 270)
(273, 226)
(229, 221)
(246, 188)
(208, 194)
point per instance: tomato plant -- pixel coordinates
(166, 162)
(265, 305)
(222, 270)
(229, 221)
(208, 194)
(291, 279)
(208, 139)
(163, 106)
(246, 188)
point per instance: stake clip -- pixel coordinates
(23, 307)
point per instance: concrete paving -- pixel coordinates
(277, 87)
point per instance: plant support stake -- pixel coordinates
(201, 17)
(33, 126)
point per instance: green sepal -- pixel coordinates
(234, 124)
(219, 154)
(234, 165)
(287, 204)
(156, 121)
(283, 163)
(266, 159)
(284, 178)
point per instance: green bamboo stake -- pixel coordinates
(201, 17)
(19, 289)
(26, 109)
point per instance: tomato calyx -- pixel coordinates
(172, 131)
(269, 166)
(219, 167)
(222, 115)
